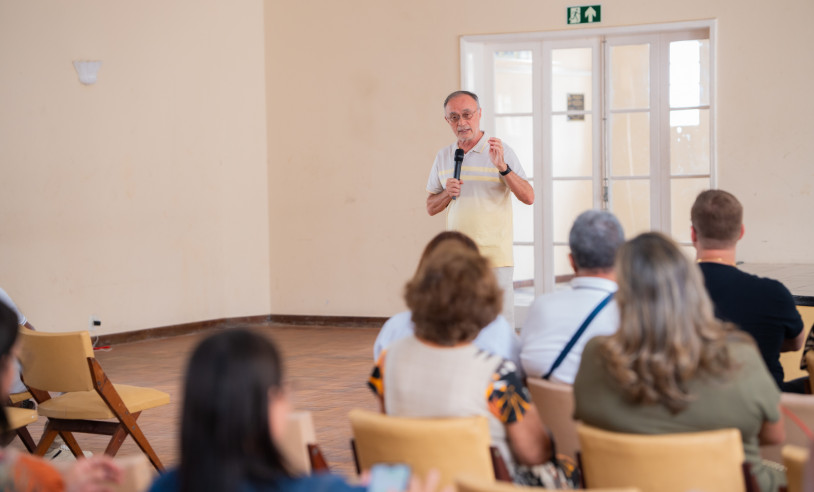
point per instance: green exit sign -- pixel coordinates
(586, 14)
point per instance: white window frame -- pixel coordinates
(476, 71)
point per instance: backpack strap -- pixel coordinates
(568, 346)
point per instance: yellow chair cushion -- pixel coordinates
(89, 405)
(20, 417)
(18, 397)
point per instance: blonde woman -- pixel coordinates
(672, 367)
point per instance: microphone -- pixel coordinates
(459, 158)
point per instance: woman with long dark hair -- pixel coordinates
(234, 415)
(672, 366)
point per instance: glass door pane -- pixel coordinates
(514, 124)
(571, 74)
(574, 160)
(690, 130)
(630, 153)
(630, 202)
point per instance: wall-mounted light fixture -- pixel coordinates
(87, 70)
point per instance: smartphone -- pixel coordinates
(389, 478)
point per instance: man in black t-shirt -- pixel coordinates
(762, 307)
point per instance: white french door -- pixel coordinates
(616, 120)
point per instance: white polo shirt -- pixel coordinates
(483, 211)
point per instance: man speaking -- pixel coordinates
(482, 205)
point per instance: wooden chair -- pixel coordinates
(65, 363)
(795, 458)
(810, 366)
(555, 402)
(798, 421)
(454, 446)
(468, 484)
(299, 445)
(711, 460)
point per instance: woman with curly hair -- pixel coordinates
(672, 367)
(439, 372)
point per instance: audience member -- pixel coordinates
(22, 471)
(560, 323)
(672, 366)
(761, 307)
(497, 337)
(439, 372)
(17, 385)
(234, 415)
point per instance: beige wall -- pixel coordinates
(354, 98)
(161, 195)
(354, 109)
(141, 199)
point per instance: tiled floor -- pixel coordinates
(327, 366)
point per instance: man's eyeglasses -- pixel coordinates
(455, 117)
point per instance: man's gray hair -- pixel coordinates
(594, 239)
(462, 93)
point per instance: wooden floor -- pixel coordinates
(327, 367)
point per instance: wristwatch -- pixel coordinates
(507, 171)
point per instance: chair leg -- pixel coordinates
(104, 388)
(499, 465)
(48, 436)
(129, 423)
(318, 463)
(26, 438)
(117, 439)
(355, 456)
(70, 441)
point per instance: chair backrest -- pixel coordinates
(299, 434)
(795, 458)
(711, 460)
(800, 412)
(468, 484)
(454, 446)
(56, 361)
(555, 402)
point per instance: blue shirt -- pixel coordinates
(168, 482)
(497, 337)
